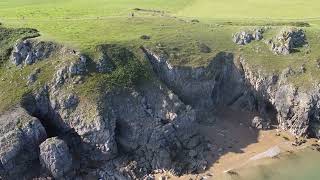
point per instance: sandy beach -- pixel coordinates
(237, 145)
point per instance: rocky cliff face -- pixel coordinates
(148, 126)
(129, 132)
(229, 81)
(297, 109)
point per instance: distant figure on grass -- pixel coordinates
(132, 15)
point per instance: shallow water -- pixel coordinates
(298, 166)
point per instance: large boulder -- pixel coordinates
(55, 157)
(20, 136)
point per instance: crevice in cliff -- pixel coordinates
(29, 104)
(51, 122)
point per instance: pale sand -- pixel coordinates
(241, 143)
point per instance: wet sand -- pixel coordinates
(237, 145)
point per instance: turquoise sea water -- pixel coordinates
(299, 166)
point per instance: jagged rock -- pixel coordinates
(55, 157)
(60, 76)
(20, 136)
(69, 101)
(287, 40)
(74, 70)
(30, 51)
(245, 37)
(79, 67)
(260, 123)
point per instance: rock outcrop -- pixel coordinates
(157, 128)
(30, 51)
(287, 41)
(296, 109)
(55, 157)
(20, 136)
(245, 37)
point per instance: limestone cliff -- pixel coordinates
(127, 133)
(230, 81)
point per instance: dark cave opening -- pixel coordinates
(30, 105)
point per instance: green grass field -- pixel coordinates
(83, 25)
(261, 9)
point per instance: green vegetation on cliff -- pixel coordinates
(178, 29)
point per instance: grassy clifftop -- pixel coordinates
(179, 29)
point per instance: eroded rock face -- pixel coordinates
(157, 129)
(221, 82)
(233, 83)
(55, 157)
(20, 136)
(30, 51)
(66, 113)
(297, 110)
(287, 40)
